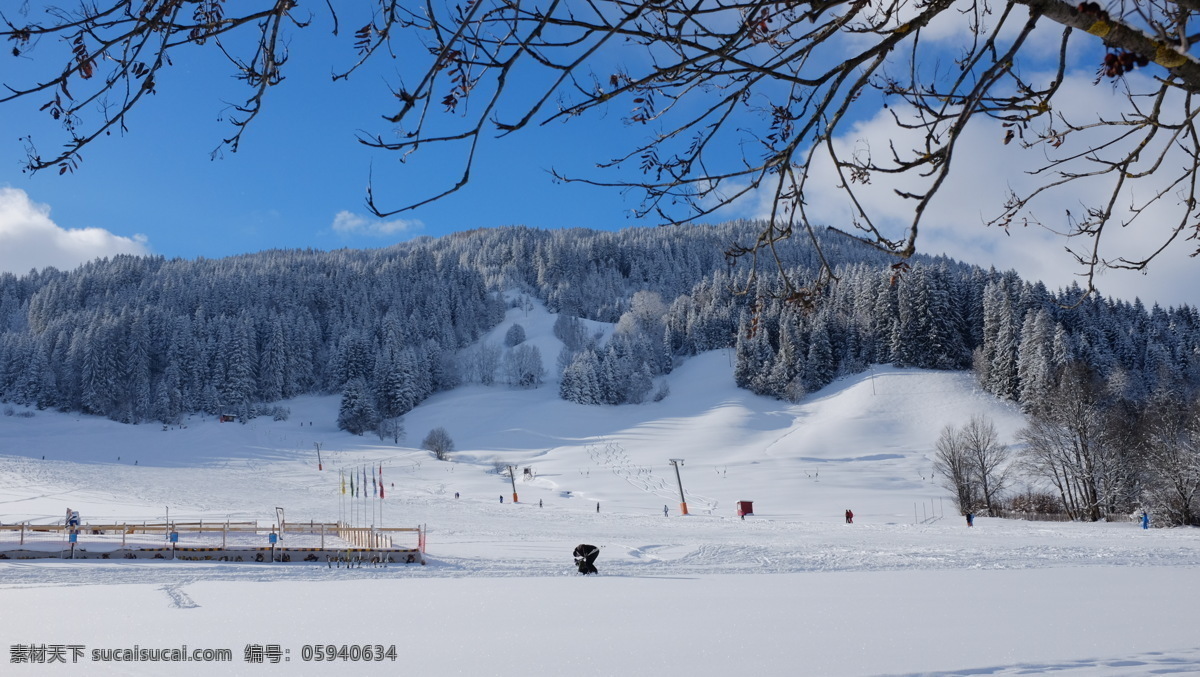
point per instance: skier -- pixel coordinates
(585, 558)
(664, 511)
(1145, 520)
(970, 519)
(539, 502)
(849, 516)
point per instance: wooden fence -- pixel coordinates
(358, 537)
(1058, 517)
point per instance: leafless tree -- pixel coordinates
(974, 464)
(951, 462)
(988, 460)
(1071, 444)
(738, 100)
(1172, 461)
(391, 428)
(523, 366)
(481, 364)
(438, 441)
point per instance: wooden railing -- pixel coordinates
(360, 537)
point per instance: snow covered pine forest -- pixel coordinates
(593, 357)
(143, 340)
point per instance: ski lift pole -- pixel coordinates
(682, 501)
(512, 476)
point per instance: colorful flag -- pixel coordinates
(381, 480)
(342, 474)
(374, 486)
(352, 494)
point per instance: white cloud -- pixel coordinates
(349, 223)
(30, 239)
(984, 170)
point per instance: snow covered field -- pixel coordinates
(907, 589)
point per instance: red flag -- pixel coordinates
(381, 480)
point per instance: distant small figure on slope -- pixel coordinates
(970, 519)
(849, 516)
(585, 558)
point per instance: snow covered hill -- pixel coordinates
(906, 589)
(865, 442)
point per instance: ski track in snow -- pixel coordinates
(179, 598)
(1140, 665)
(613, 457)
(683, 547)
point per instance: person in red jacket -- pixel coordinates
(849, 516)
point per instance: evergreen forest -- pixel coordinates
(1113, 383)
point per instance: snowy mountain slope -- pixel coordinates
(862, 443)
(885, 595)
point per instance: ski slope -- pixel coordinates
(791, 590)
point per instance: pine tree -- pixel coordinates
(641, 382)
(1035, 372)
(1000, 342)
(581, 380)
(787, 364)
(272, 362)
(819, 367)
(357, 413)
(911, 326)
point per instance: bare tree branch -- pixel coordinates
(738, 100)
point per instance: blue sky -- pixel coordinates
(299, 179)
(298, 167)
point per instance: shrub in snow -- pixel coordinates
(523, 367)
(438, 441)
(515, 336)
